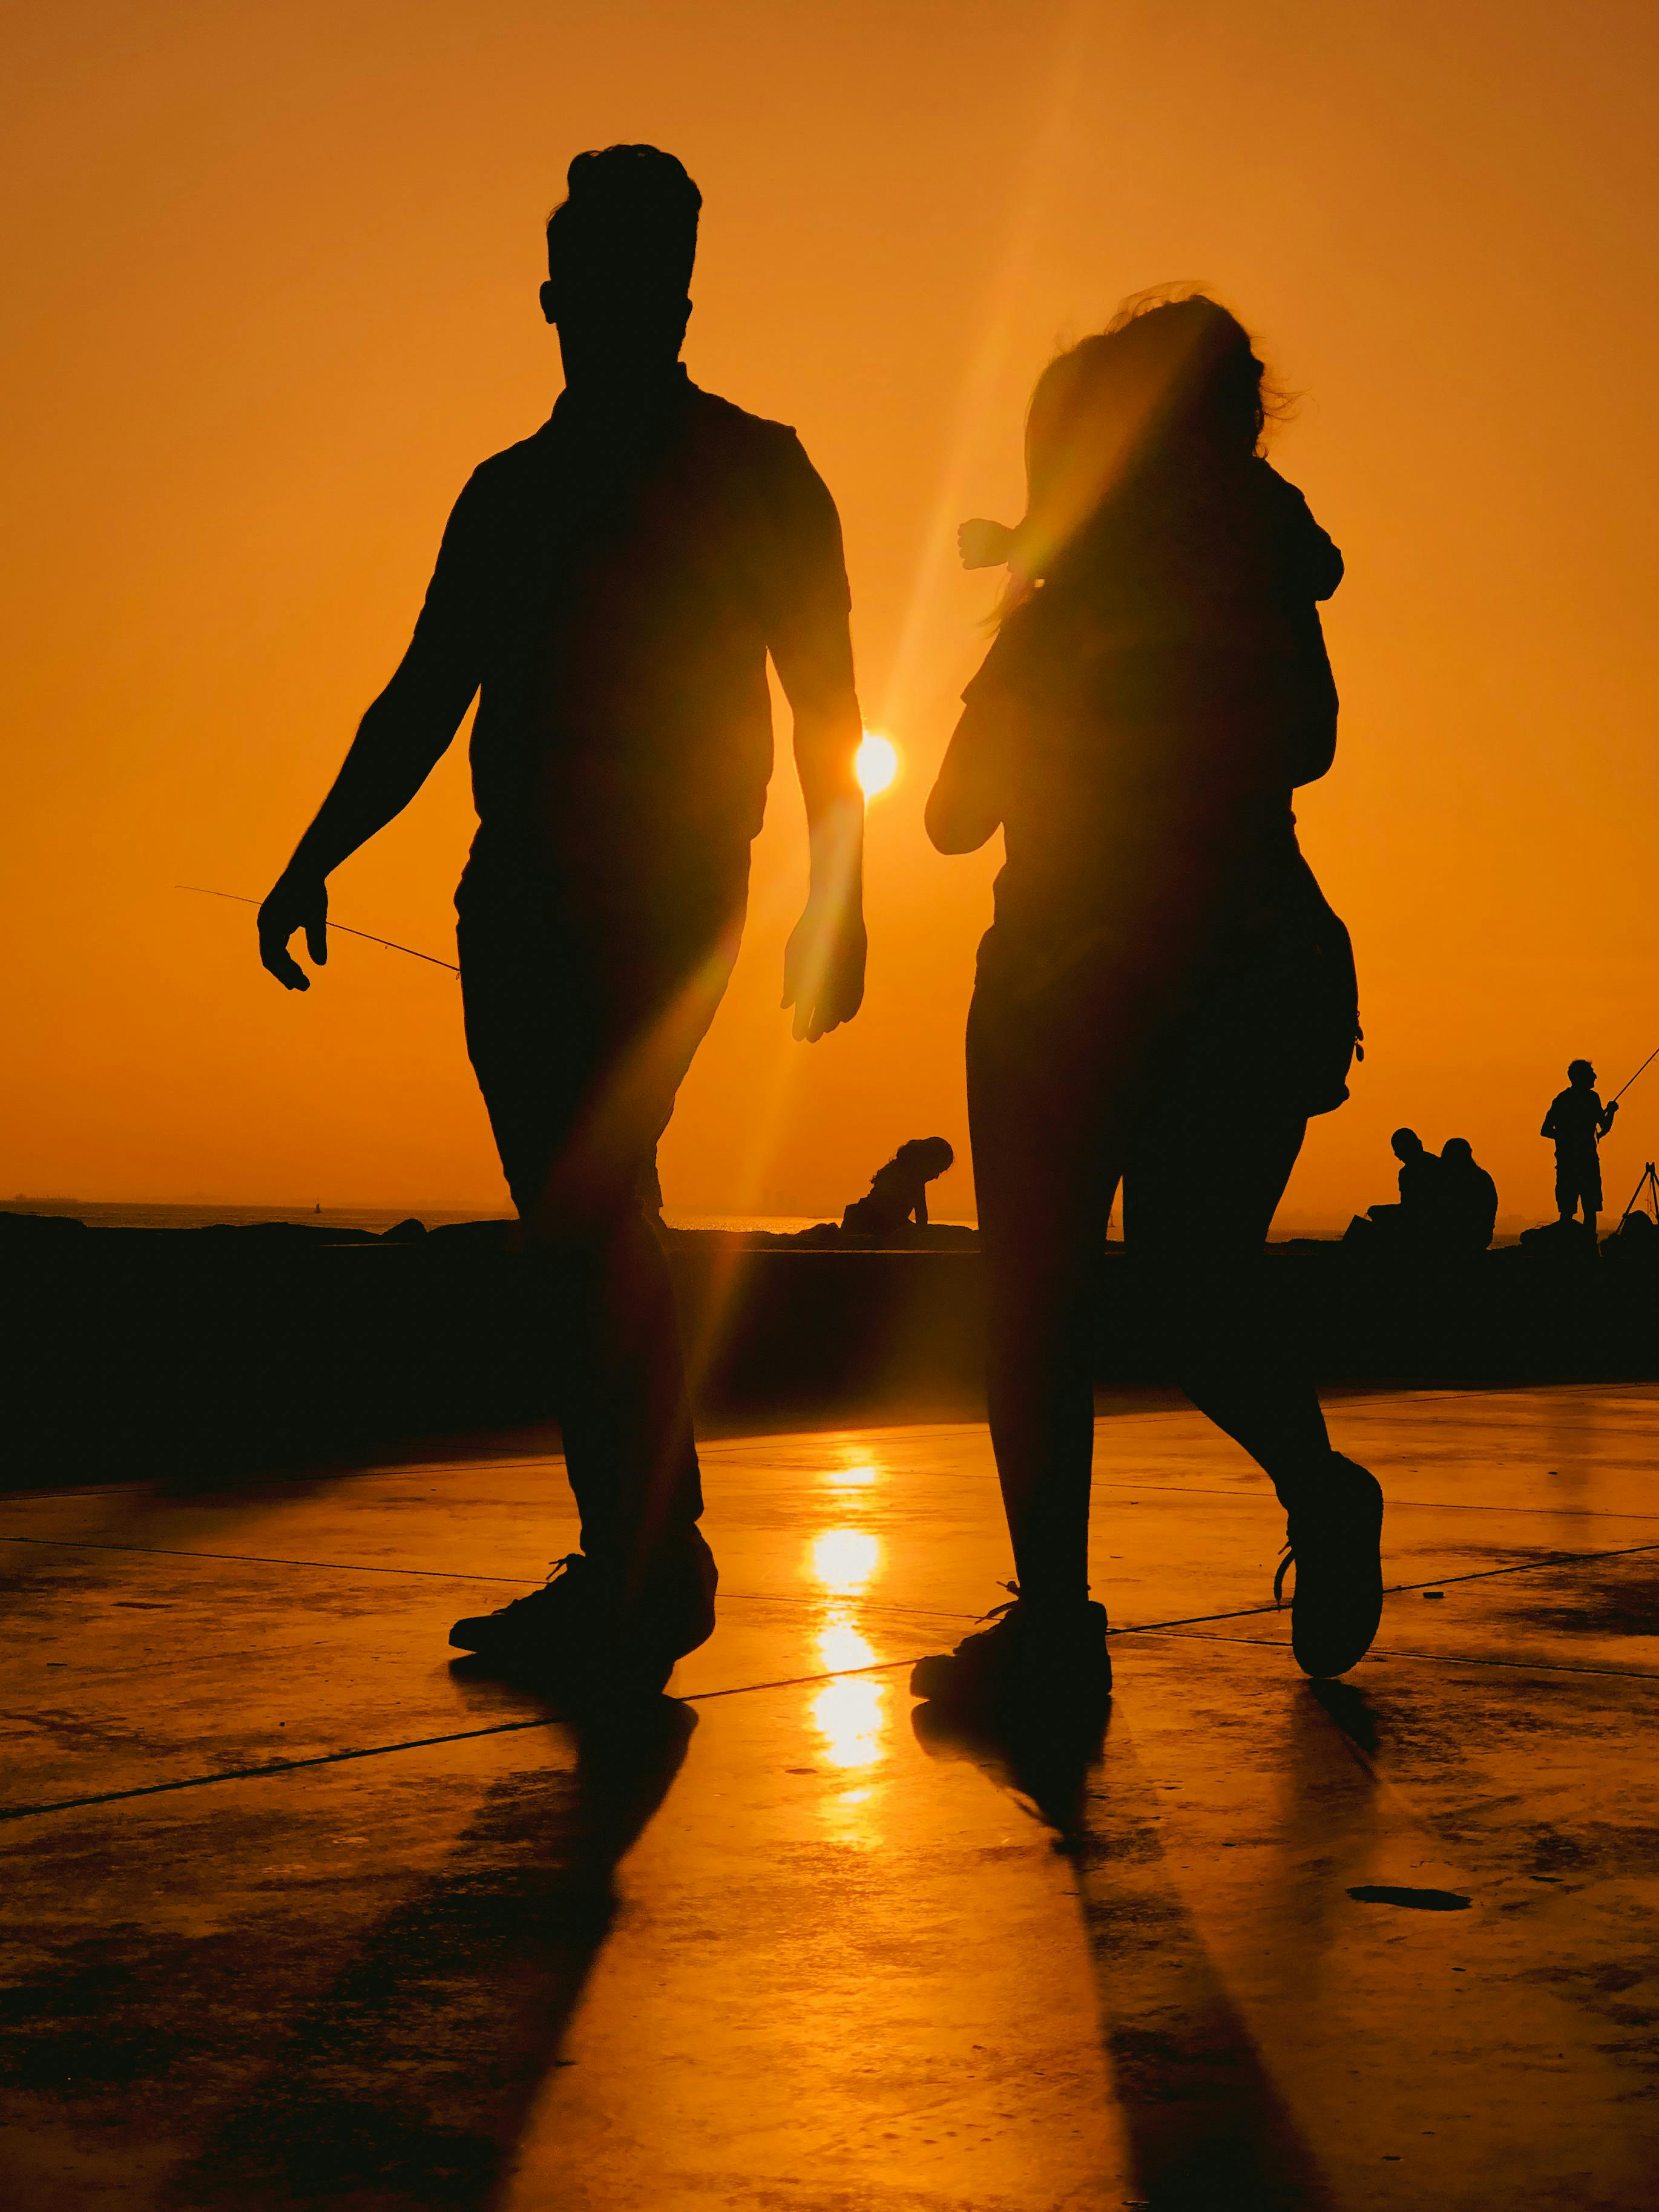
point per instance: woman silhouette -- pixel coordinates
(1165, 997)
(897, 1196)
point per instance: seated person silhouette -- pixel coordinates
(1468, 1198)
(610, 588)
(898, 1192)
(1416, 1220)
(1576, 1122)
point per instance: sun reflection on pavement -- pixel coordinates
(861, 1474)
(850, 1716)
(850, 1713)
(841, 1645)
(844, 1559)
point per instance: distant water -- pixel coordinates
(779, 1225)
(119, 1214)
(111, 1214)
(114, 1213)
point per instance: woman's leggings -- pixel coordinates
(1069, 1096)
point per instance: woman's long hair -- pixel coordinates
(927, 1155)
(1173, 381)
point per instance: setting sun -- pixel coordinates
(876, 764)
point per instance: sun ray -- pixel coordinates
(986, 370)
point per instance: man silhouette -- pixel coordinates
(1576, 1121)
(1469, 1198)
(1416, 1220)
(611, 588)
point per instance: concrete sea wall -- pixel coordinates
(187, 1354)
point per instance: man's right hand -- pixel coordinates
(297, 901)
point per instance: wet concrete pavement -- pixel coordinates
(296, 1912)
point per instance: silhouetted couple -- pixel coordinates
(1447, 1203)
(1165, 996)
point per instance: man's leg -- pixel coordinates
(629, 1452)
(625, 1409)
(579, 1072)
(1566, 1191)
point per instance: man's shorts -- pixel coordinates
(579, 1049)
(1576, 1180)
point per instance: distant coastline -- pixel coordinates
(204, 1214)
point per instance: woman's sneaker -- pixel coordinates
(1334, 1539)
(573, 1636)
(1030, 1658)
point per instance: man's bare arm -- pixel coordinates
(823, 962)
(398, 743)
(810, 639)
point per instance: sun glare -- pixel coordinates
(876, 764)
(844, 1559)
(850, 1721)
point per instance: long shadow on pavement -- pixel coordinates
(408, 2081)
(1206, 2127)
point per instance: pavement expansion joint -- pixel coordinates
(1182, 1627)
(257, 1559)
(1525, 1567)
(271, 1768)
(757, 1598)
(1177, 1634)
(1144, 1488)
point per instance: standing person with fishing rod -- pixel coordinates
(611, 588)
(1577, 1121)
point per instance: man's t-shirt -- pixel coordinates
(614, 585)
(1575, 1121)
(1422, 1184)
(1468, 1202)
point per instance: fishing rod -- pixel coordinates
(1646, 1064)
(345, 930)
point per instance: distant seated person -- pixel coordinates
(1417, 1220)
(1468, 1198)
(1420, 1179)
(898, 1193)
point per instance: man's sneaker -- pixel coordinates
(1334, 1538)
(1030, 1658)
(575, 1636)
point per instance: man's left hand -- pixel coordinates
(824, 968)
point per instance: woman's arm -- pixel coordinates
(964, 807)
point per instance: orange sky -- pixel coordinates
(272, 290)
